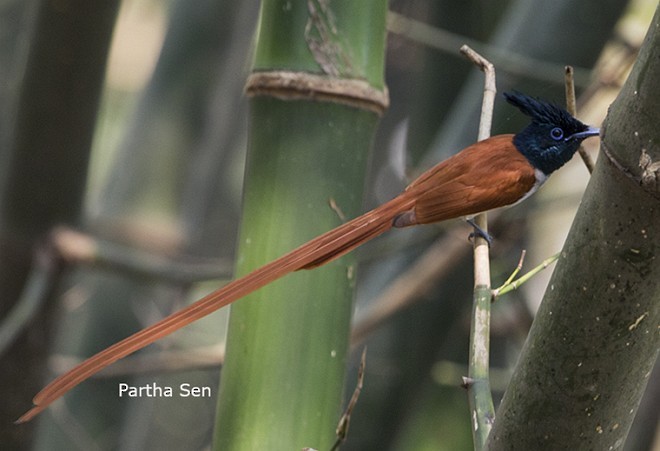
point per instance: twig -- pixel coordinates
(509, 286)
(345, 420)
(569, 85)
(66, 246)
(77, 247)
(478, 384)
(163, 361)
(41, 280)
(505, 59)
(513, 274)
(340, 214)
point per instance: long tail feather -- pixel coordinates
(316, 252)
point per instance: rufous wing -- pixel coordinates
(486, 175)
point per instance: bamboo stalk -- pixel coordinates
(317, 81)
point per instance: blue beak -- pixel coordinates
(590, 131)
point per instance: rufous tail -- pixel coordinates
(316, 252)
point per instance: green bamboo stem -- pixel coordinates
(282, 382)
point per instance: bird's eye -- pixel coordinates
(557, 133)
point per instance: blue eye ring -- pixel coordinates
(557, 133)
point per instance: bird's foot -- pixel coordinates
(478, 231)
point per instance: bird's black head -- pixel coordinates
(553, 136)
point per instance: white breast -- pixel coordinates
(540, 180)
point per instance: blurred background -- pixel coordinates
(126, 121)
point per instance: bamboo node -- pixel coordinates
(288, 85)
(648, 175)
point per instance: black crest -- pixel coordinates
(543, 112)
(553, 135)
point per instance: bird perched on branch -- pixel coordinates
(497, 172)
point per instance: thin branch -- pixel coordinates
(43, 276)
(163, 361)
(505, 60)
(478, 384)
(509, 286)
(80, 248)
(345, 420)
(569, 86)
(66, 246)
(518, 268)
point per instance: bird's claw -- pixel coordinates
(478, 231)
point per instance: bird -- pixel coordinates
(497, 172)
